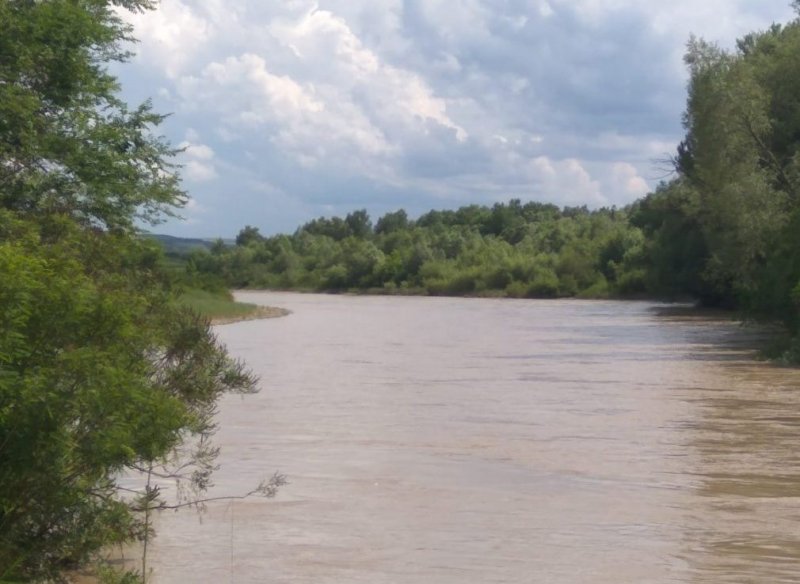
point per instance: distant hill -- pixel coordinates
(181, 245)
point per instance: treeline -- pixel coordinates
(725, 230)
(514, 249)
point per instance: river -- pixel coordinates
(476, 441)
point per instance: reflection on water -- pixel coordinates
(745, 521)
(462, 440)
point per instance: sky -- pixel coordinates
(295, 109)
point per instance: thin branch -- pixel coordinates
(267, 489)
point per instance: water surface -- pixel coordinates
(480, 441)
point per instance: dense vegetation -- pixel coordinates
(515, 249)
(100, 371)
(725, 230)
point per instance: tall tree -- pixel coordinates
(741, 161)
(68, 143)
(99, 372)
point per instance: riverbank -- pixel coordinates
(221, 308)
(255, 313)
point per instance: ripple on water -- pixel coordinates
(463, 440)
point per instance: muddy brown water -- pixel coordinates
(481, 441)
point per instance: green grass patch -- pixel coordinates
(216, 305)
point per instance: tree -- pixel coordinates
(395, 221)
(99, 371)
(675, 250)
(741, 162)
(248, 235)
(68, 144)
(359, 223)
(99, 374)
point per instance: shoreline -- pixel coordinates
(485, 294)
(259, 313)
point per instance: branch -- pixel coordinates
(769, 155)
(267, 489)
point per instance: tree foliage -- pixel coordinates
(67, 142)
(513, 249)
(99, 371)
(727, 228)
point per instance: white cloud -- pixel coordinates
(197, 172)
(200, 151)
(192, 212)
(335, 58)
(566, 181)
(626, 180)
(197, 159)
(319, 33)
(545, 10)
(278, 92)
(341, 105)
(170, 36)
(454, 20)
(417, 100)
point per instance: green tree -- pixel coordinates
(740, 165)
(248, 235)
(68, 144)
(390, 222)
(359, 223)
(99, 371)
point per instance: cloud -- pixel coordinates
(627, 182)
(245, 80)
(341, 106)
(170, 36)
(197, 160)
(566, 181)
(422, 103)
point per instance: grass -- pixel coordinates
(221, 308)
